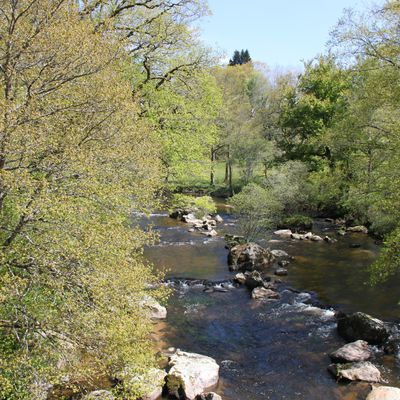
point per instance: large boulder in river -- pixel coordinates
(352, 352)
(384, 393)
(361, 371)
(191, 374)
(360, 326)
(249, 257)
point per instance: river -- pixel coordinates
(277, 349)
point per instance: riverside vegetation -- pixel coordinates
(106, 106)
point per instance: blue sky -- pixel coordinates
(279, 33)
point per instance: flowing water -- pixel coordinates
(277, 349)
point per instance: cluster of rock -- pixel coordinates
(205, 225)
(287, 233)
(351, 361)
(188, 376)
(253, 261)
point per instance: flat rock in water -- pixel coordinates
(280, 254)
(352, 352)
(361, 371)
(384, 393)
(191, 374)
(361, 326)
(262, 293)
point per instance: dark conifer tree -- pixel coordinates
(240, 58)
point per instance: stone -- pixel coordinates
(280, 254)
(253, 280)
(285, 233)
(209, 396)
(211, 233)
(99, 395)
(329, 239)
(360, 326)
(352, 352)
(249, 257)
(281, 272)
(308, 236)
(357, 229)
(384, 393)
(191, 374)
(283, 263)
(341, 232)
(261, 293)
(240, 278)
(316, 238)
(361, 371)
(297, 236)
(218, 218)
(156, 310)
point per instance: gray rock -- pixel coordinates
(361, 371)
(249, 257)
(219, 219)
(209, 396)
(329, 239)
(280, 254)
(357, 229)
(281, 272)
(253, 280)
(240, 278)
(297, 236)
(360, 326)
(352, 352)
(156, 310)
(316, 238)
(261, 293)
(384, 393)
(285, 233)
(191, 374)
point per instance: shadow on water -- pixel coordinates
(274, 350)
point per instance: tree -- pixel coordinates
(311, 109)
(240, 58)
(74, 163)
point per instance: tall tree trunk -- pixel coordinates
(212, 174)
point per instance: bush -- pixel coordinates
(257, 209)
(302, 222)
(198, 205)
